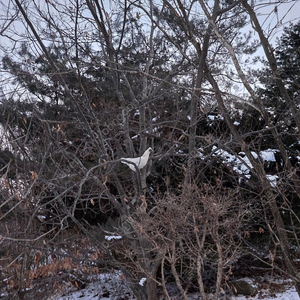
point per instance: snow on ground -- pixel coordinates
(290, 294)
(109, 286)
(113, 287)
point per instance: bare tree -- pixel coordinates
(109, 82)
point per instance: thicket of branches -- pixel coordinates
(86, 83)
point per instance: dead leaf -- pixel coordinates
(37, 258)
(142, 230)
(40, 218)
(104, 183)
(122, 277)
(6, 183)
(246, 234)
(144, 203)
(34, 175)
(243, 148)
(94, 256)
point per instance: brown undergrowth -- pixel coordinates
(43, 267)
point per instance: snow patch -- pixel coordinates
(142, 281)
(242, 165)
(107, 286)
(272, 179)
(268, 155)
(113, 237)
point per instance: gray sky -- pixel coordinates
(274, 15)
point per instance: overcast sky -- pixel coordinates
(274, 15)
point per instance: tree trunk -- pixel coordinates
(151, 289)
(196, 95)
